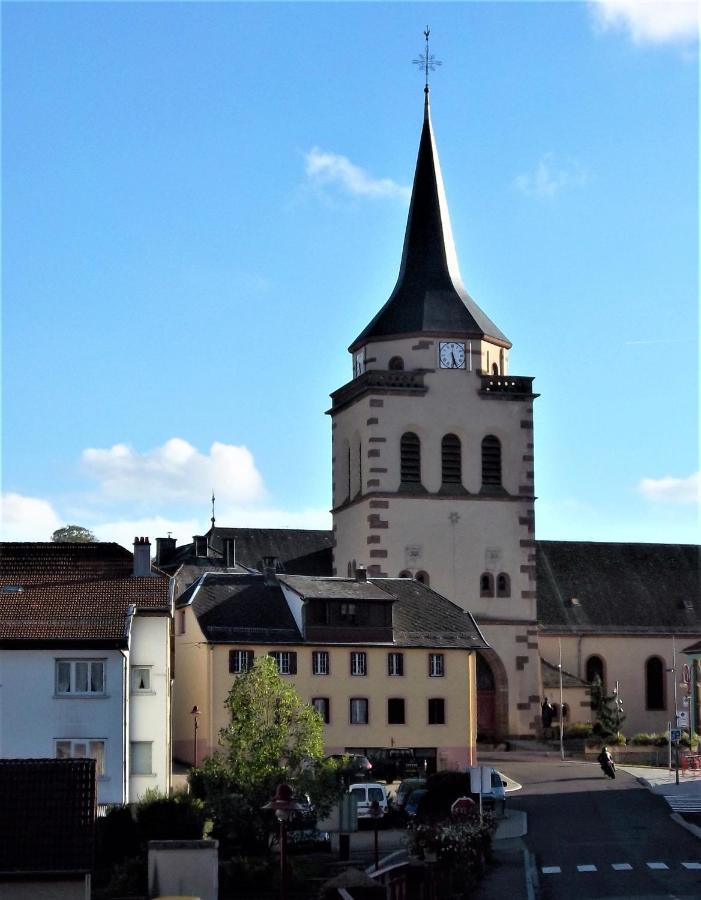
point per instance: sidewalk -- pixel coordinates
(683, 798)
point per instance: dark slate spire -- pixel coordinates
(429, 295)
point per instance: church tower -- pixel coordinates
(433, 456)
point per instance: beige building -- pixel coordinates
(433, 456)
(387, 662)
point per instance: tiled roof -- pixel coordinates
(243, 609)
(72, 592)
(618, 588)
(335, 588)
(47, 816)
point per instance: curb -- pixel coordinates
(680, 820)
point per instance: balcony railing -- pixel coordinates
(397, 381)
(515, 386)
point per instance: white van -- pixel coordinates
(492, 784)
(365, 794)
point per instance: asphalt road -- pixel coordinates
(593, 837)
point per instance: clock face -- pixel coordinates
(451, 355)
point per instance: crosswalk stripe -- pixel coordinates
(586, 868)
(684, 804)
(692, 865)
(551, 870)
(657, 865)
(622, 867)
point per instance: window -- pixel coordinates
(348, 613)
(495, 369)
(422, 578)
(181, 621)
(240, 661)
(486, 584)
(396, 363)
(358, 663)
(595, 666)
(395, 711)
(491, 461)
(141, 758)
(654, 683)
(286, 661)
(141, 679)
(83, 749)
(395, 663)
(80, 677)
(436, 711)
(405, 573)
(451, 459)
(323, 706)
(436, 665)
(320, 662)
(358, 711)
(503, 585)
(410, 458)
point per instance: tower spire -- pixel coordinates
(213, 499)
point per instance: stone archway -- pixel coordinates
(492, 697)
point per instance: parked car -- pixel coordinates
(495, 796)
(404, 791)
(366, 794)
(352, 765)
(413, 803)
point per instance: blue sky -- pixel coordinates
(203, 204)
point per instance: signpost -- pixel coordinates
(675, 735)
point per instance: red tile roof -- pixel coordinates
(73, 592)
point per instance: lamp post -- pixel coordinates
(195, 713)
(376, 812)
(283, 806)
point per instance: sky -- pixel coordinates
(204, 204)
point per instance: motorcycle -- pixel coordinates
(608, 767)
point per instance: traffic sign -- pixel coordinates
(463, 806)
(675, 735)
(682, 718)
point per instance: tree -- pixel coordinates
(73, 534)
(607, 709)
(273, 737)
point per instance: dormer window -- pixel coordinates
(348, 613)
(200, 546)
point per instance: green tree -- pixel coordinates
(607, 710)
(73, 534)
(273, 737)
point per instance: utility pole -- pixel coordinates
(562, 715)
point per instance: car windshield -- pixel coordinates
(496, 779)
(375, 794)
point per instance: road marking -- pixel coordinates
(622, 867)
(586, 868)
(684, 802)
(692, 865)
(551, 870)
(657, 865)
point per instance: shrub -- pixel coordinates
(463, 845)
(116, 837)
(443, 788)
(642, 737)
(159, 818)
(578, 730)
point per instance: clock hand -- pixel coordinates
(452, 356)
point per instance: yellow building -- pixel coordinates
(387, 661)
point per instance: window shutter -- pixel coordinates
(293, 663)
(232, 662)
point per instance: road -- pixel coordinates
(593, 837)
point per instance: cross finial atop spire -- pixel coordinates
(427, 61)
(213, 499)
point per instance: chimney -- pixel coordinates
(229, 553)
(361, 573)
(165, 550)
(142, 557)
(270, 566)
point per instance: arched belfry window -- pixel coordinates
(486, 584)
(451, 459)
(495, 369)
(491, 461)
(655, 683)
(396, 363)
(410, 458)
(503, 585)
(422, 578)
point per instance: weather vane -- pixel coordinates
(427, 61)
(213, 499)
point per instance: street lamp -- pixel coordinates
(283, 806)
(195, 713)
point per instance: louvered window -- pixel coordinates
(503, 585)
(451, 459)
(410, 458)
(491, 461)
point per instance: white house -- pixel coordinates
(85, 666)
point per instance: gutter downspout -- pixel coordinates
(131, 612)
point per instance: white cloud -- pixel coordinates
(550, 177)
(649, 21)
(672, 490)
(27, 518)
(332, 169)
(175, 471)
